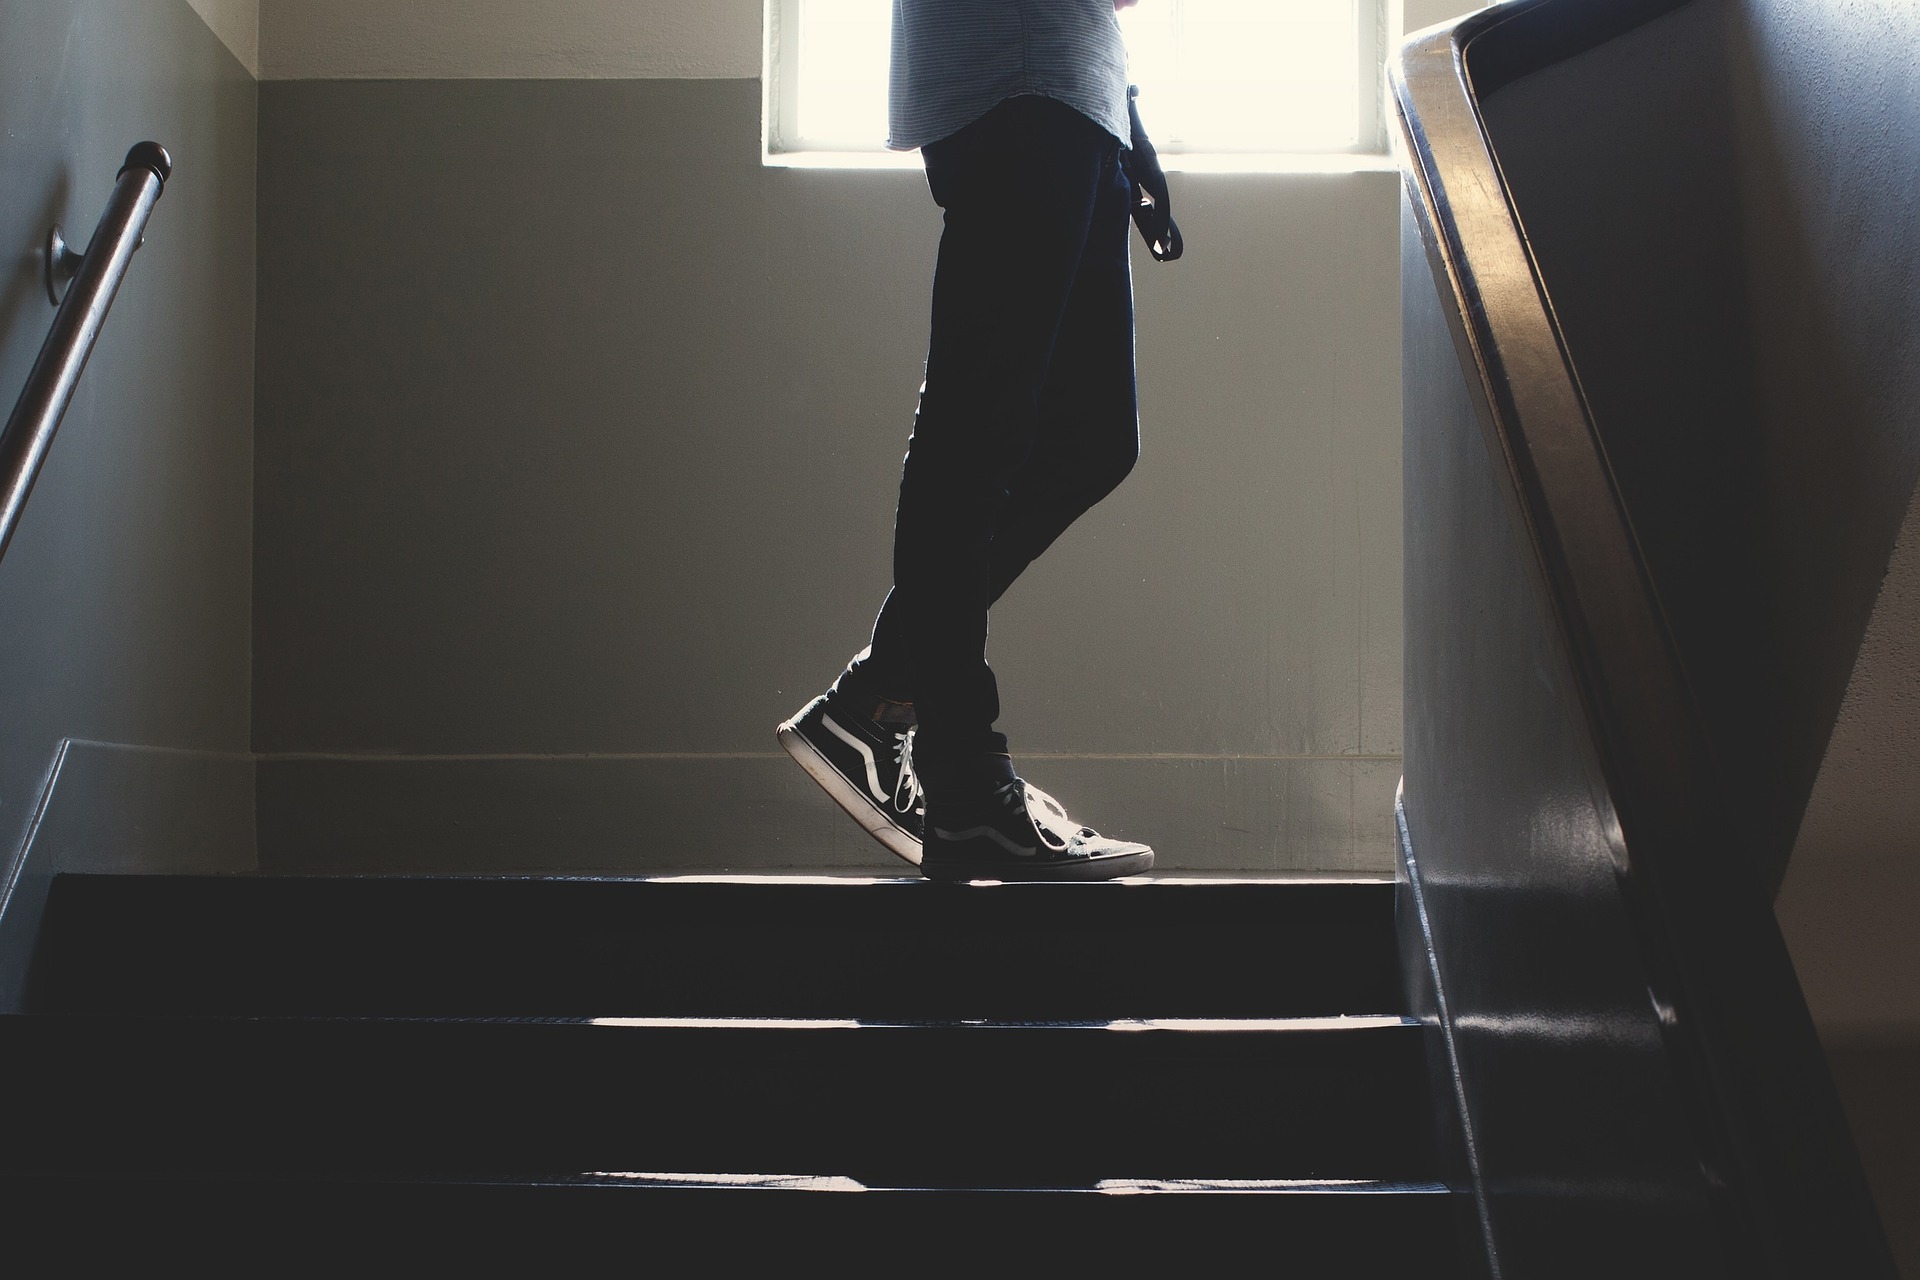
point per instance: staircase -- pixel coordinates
(736, 1073)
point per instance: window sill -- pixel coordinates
(1281, 162)
(841, 160)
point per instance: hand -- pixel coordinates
(1152, 205)
(1118, 5)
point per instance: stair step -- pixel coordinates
(975, 1105)
(715, 946)
(688, 1226)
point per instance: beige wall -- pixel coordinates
(654, 606)
(510, 39)
(633, 501)
(125, 598)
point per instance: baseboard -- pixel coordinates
(113, 807)
(744, 813)
(118, 808)
(108, 807)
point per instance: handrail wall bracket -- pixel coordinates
(63, 264)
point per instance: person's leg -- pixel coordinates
(1085, 439)
(1026, 420)
(1087, 436)
(1020, 188)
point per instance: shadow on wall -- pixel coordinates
(1827, 225)
(1875, 1078)
(22, 322)
(1835, 237)
(1853, 893)
(1753, 418)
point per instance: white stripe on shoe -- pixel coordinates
(866, 755)
(873, 819)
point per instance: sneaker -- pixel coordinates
(1019, 832)
(864, 762)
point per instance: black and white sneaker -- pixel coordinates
(864, 762)
(1019, 832)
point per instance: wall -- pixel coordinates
(1853, 890)
(237, 23)
(1742, 318)
(1846, 137)
(1753, 393)
(125, 597)
(568, 453)
(509, 39)
(579, 437)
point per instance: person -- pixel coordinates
(1027, 417)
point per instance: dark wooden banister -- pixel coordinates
(1761, 1109)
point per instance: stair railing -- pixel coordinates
(96, 277)
(1632, 1063)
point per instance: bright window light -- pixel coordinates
(841, 74)
(1216, 77)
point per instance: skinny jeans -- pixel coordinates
(1028, 414)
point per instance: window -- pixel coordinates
(1219, 79)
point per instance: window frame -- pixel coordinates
(1378, 21)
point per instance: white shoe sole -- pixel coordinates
(1111, 867)
(858, 804)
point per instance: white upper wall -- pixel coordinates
(1421, 14)
(526, 39)
(237, 23)
(510, 39)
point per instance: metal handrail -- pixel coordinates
(96, 279)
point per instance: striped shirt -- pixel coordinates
(955, 60)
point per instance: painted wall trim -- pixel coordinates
(116, 808)
(636, 814)
(237, 23)
(510, 40)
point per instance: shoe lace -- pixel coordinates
(1013, 794)
(907, 795)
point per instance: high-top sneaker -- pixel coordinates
(1016, 831)
(859, 748)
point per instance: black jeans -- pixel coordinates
(1028, 414)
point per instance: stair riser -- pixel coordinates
(886, 950)
(888, 1106)
(536, 1230)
